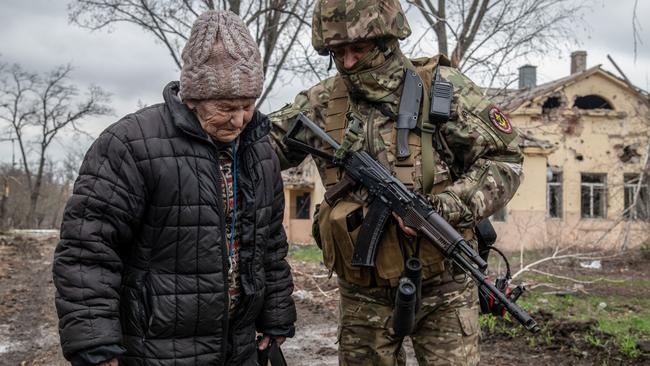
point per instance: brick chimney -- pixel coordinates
(527, 77)
(578, 61)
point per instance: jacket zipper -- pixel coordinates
(251, 302)
(224, 257)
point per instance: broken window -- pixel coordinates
(301, 207)
(639, 210)
(630, 154)
(593, 195)
(499, 215)
(550, 104)
(554, 194)
(592, 101)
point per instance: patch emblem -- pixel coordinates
(500, 120)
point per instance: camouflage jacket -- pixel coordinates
(485, 164)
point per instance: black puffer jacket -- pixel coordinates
(142, 260)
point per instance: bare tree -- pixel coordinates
(485, 37)
(275, 25)
(40, 108)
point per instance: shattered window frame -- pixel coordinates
(301, 205)
(554, 197)
(642, 209)
(593, 195)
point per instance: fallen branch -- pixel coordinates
(312, 278)
(555, 256)
(600, 279)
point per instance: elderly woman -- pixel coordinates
(172, 245)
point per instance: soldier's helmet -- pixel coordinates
(337, 22)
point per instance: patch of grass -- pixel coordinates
(627, 345)
(627, 331)
(488, 322)
(594, 341)
(637, 323)
(625, 319)
(306, 253)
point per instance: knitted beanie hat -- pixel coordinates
(220, 59)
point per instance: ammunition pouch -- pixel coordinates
(339, 228)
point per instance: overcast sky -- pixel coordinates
(130, 65)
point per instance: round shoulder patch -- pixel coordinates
(499, 120)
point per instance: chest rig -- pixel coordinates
(421, 168)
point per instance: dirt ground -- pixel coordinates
(28, 322)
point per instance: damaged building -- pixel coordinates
(585, 144)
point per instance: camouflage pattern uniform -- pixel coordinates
(477, 169)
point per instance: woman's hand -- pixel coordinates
(267, 339)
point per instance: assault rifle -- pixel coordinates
(388, 195)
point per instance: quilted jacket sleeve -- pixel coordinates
(98, 223)
(279, 312)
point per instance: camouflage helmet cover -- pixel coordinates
(337, 22)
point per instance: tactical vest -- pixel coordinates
(338, 238)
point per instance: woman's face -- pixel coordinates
(223, 119)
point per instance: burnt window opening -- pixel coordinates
(592, 101)
(630, 154)
(301, 206)
(554, 193)
(551, 103)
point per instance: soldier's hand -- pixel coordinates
(406, 229)
(112, 362)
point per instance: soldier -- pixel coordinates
(468, 167)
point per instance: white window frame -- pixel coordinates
(592, 187)
(629, 190)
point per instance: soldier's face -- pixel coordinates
(224, 119)
(348, 54)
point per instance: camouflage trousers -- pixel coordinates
(446, 330)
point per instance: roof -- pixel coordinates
(510, 99)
